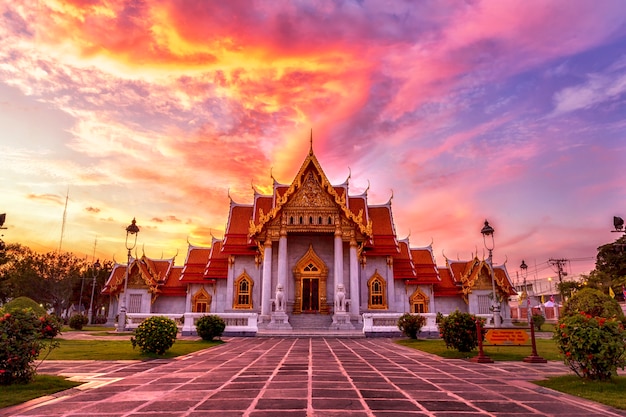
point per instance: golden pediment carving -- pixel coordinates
(310, 195)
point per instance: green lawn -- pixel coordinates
(42, 385)
(546, 348)
(120, 350)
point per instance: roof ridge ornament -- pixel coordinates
(311, 143)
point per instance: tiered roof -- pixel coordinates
(160, 275)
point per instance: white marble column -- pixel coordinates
(341, 318)
(279, 318)
(338, 257)
(282, 262)
(354, 279)
(266, 289)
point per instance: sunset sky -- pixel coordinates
(513, 111)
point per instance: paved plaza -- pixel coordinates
(273, 377)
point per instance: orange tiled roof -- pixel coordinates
(402, 263)
(195, 264)
(217, 266)
(384, 241)
(359, 204)
(236, 239)
(446, 287)
(173, 285)
(425, 267)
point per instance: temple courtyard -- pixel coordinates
(275, 377)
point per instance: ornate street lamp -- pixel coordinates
(131, 230)
(487, 232)
(524, 269)
(94, 272)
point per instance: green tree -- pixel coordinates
(48, 278)
(611, 264)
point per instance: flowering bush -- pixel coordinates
(458, 331)
(155, 335)
(410, 324)
(50, 326)
(77, 321)
(593, 347)
(22, 337)
(209, 327)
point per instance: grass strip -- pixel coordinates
(42, 385)
(606, 392)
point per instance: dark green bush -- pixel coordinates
(593, 302)
(411, 324)
(155, 335)
(538, 321)
(210, 327)
(23, 336)
(458, 331)
(77, 321)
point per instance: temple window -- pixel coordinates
(377, 288)
(310, 220)
(300, 219)
(201, 302)
(319, 221)
(419, 302)
(310, 268)
(243, 292)
(291, 220)
(330, 220)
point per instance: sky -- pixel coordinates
(456, 111)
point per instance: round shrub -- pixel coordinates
(411, 324)
(21, 303)
(77, 321)
(594, 303)
(22, 337)
(538, 321)
(155, 335)
(593, 347)
(458, 331)
(210, 327)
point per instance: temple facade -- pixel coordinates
(310, 249)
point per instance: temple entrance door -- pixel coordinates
(310, 275)
(310, 295)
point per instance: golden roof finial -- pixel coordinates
(311, 145)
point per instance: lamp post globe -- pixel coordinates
(131, 231)
(487, 231)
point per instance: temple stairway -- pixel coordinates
(312, 325)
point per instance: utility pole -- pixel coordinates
(559, 264)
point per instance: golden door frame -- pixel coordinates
(310, 266)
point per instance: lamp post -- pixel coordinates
(132, 229)
(3, 218)
(487, 232)
(524, 269)
(94, 272)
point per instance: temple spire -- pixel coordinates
(311, 145)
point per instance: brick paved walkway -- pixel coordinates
(307, 377)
